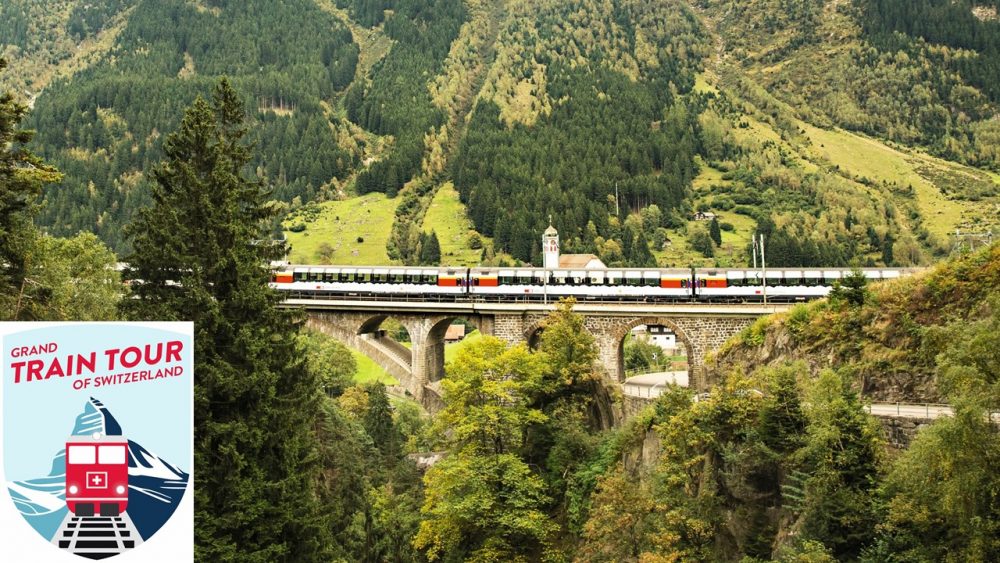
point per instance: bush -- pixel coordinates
(297, 227)
(724, 203)
(728, 227)
(361, 240)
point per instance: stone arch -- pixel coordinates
(621, 331)
(360, 332)
(532, 335)
(370, 325)
(434, 346)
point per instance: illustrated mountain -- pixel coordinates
(155, 486)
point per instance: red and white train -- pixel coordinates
(97, 475)
(537, 284)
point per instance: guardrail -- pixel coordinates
(659, 368)
(643, 391)
(929, 410)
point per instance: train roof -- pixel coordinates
(91, 440)
(531, 270)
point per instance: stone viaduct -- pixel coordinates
(701, 327)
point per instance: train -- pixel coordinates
(97, 475)
(461, 284)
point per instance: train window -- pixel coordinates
(431, 279)
(380, 277)
(397, 278)
(111, 455)
(82, 454)
(506, 280)
(299, 275)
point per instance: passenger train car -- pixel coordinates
(537, 284)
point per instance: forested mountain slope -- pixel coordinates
(103, 126)
(847, 132)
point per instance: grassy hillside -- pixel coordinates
(447, 217)
(889, 345)
(352, 231)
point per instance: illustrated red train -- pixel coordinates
(97, 475)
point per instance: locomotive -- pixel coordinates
(97, 475)
(785, 285)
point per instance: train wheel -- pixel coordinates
(109, 509)
(84, 509)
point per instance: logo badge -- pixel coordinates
(97, 440)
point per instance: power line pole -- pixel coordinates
(763, 267)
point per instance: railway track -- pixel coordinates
(97, 537)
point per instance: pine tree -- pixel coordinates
(379, 426)
(430, 251)
(21, 177)
(199, 256)
(641, 254)
(715, 232)
(887, 257)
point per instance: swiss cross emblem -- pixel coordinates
(97, 480)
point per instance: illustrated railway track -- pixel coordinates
(97, 537)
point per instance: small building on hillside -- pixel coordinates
(704, 216)
(658, 335)
(454, 333)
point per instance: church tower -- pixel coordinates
(550, 247)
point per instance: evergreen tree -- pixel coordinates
(378, 423)
(853, 289)
(430, 250)
(199, 256)
(641, 253)
(782, 422)
(887, 257)
(21, 177)
(715, 232)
